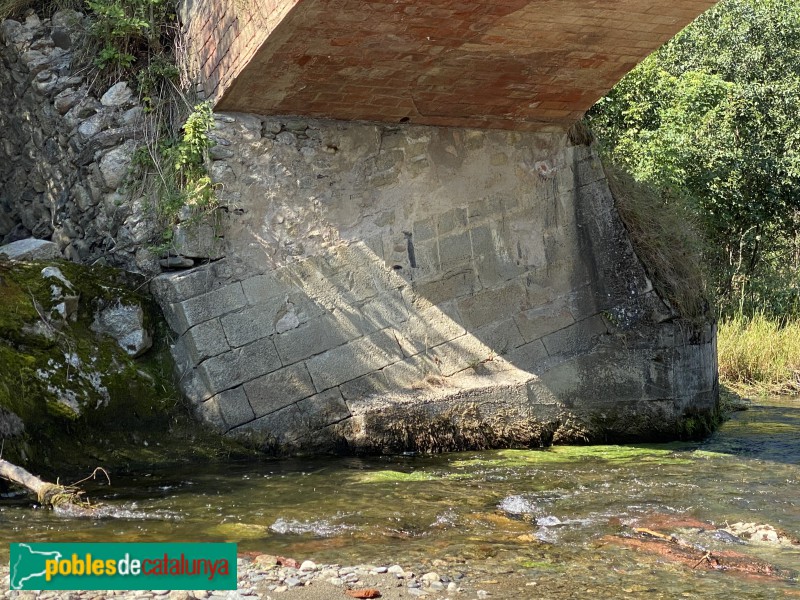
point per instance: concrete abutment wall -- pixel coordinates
(413, 287)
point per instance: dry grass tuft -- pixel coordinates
(13, 8)
(16, 9)
(759, 354)
(666, 242)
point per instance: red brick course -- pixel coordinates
(509, 64)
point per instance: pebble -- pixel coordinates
(395, 570)
(328, 573)
(430, 577)
(308, 565)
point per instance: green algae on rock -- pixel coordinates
(648, 453)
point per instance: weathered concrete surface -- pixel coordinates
(515, 64)
(428, 288)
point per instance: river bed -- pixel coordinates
(552, 523)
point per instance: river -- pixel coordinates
(553, 523)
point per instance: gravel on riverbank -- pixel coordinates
(267, 577)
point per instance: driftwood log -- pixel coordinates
(47, 494)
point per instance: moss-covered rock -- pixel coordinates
(69, 394)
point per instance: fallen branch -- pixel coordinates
(656, 534)
(47, 494)
(707, 557)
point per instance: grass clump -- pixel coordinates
(665, 241)
(759, 354)
(10, 8)
(129, 32)
(172, 169)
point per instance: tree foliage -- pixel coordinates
(714, 116)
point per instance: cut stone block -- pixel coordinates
(233, 368)
(234, 407)
(323, 409)
(208, 306)
(312, 338)
(205, 340)
(575, 338)
(279, 389)
(490, 305)
(354, 359)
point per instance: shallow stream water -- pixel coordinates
(547, 523)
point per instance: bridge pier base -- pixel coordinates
(380, 287)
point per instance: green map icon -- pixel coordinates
(28, 565)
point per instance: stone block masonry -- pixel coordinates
(407, 287)
(65, 149)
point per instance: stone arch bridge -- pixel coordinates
(412, 252)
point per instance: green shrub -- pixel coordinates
(178, 165)
(128, 33)
(135, 40)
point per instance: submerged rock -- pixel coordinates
(760, 533)
(517, 505)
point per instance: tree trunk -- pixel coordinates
(48, 494)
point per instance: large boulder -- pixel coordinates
(31, 249)
(70, 373)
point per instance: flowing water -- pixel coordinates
(547, 523)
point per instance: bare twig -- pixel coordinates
(706, 557)
(93, 475)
